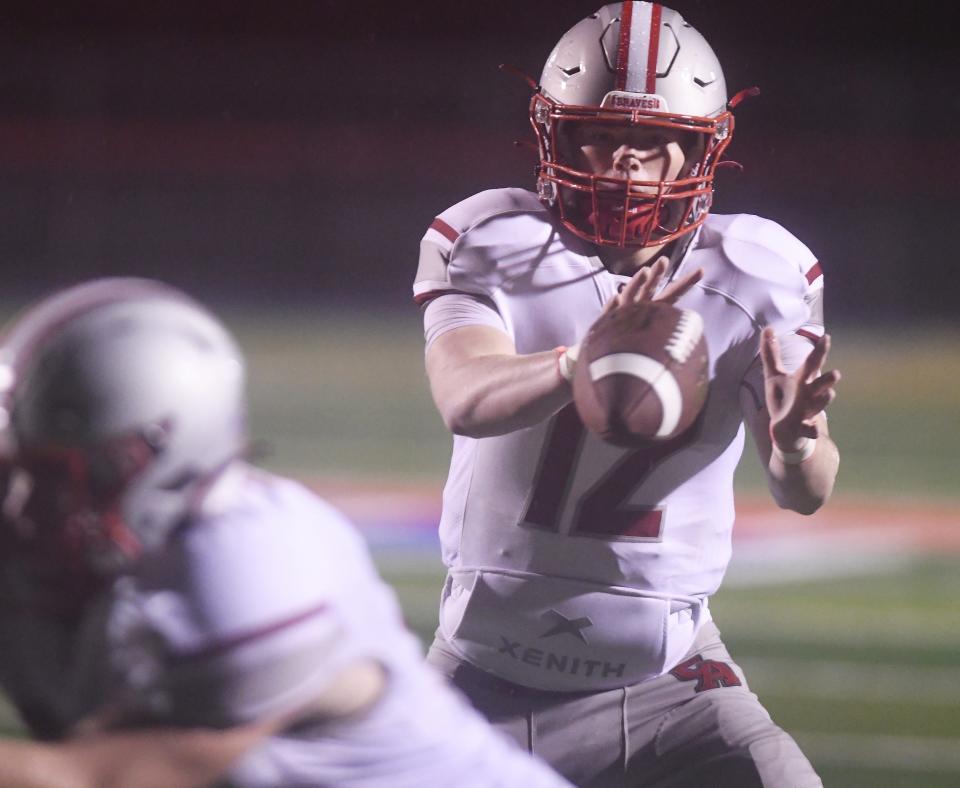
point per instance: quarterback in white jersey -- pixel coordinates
(173, 616)
(577, 569)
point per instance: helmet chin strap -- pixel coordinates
(677, 253)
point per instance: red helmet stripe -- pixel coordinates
(623, 47)
(654, 49)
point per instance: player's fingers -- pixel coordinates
(629, 293)
(815, 405)
(657, 270)
(672, 292)
(649, 284)
(770, 353)
(826, 381)
(814, 362)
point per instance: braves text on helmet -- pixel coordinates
(631, 65)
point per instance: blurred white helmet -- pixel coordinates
(122, 400)
(632, 64)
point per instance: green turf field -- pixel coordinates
(337, 395)
(864, 670)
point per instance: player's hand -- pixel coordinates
(640, 288)
(644, 284)
(795, 400)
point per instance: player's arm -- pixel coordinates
(143, 758)
(483, 387)
(162, 757)
(790, 428)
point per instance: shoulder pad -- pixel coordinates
(764, 248)
(769, 272)
(485, 242)
(447, 228)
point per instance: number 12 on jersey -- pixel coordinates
(602, 511)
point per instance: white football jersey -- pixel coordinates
(251, 611)
(574, 564)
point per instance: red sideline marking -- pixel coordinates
(221, 647)
(444, 229)
(808, 335)
(654, 48)
(892, 521)
(883, 521)
(623, 47)
(814, 272)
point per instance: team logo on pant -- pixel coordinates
(708, 673)
(561, 625)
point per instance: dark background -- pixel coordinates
(295, 151)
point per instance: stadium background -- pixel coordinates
(281, 161)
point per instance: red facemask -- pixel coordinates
(616, 212)
(64, 508)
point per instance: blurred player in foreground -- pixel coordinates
(575, 610)
(171, 616)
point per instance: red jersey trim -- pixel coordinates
(815, 272)
(422, 298)
(444, 229)
(221, 647)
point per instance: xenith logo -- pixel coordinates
(561, 625)
(562, 663)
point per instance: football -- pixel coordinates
(642, 374)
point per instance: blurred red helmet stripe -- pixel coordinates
(654, 49)
(623, 47)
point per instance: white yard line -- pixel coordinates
(905, 753)
(854, 628)
(856, 681)
(801, 557)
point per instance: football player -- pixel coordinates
(575, 613)
(172, 616)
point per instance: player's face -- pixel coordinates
(628, 153)
(627, 182)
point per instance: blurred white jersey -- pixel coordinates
(574, 564)
(252, 610)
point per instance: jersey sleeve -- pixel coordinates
(250, 620)
(455, 310)
(791, 281)
(771, 275)
(469, 247)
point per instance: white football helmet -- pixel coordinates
(634, 64)
(122, 399)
